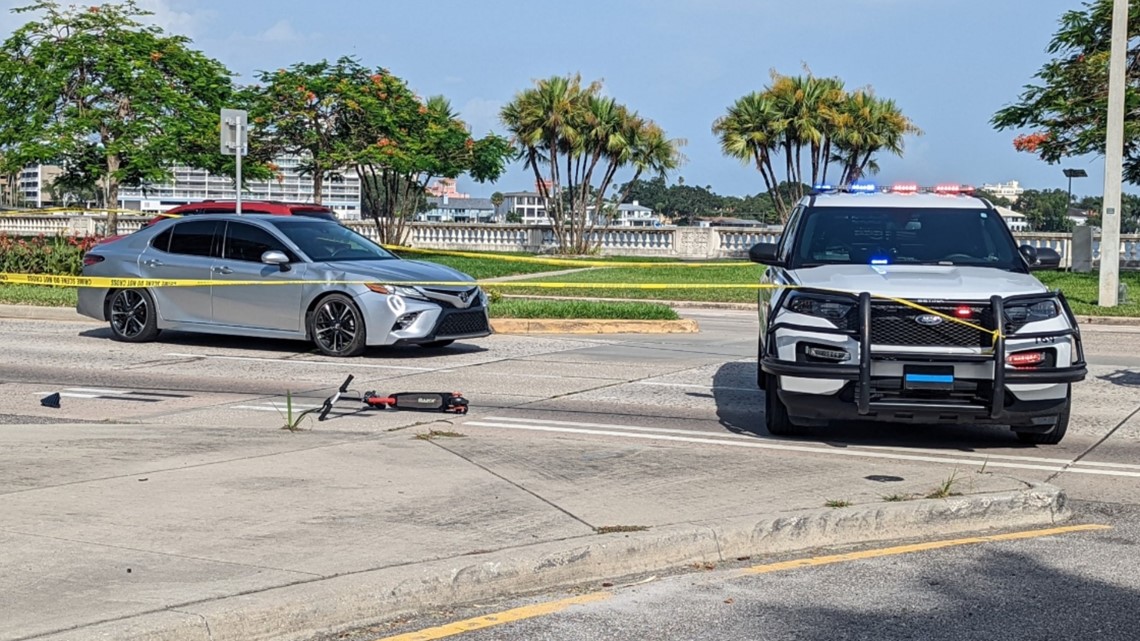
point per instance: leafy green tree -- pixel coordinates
(575, 140)
(1046, 210)
(300, 110)
(514, 217)
(1064, 110)
(91, 81)
(398, 143)
(999, 201)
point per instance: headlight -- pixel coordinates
(836, 310)
(1032, 311)
(400, 290)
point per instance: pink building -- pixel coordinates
(445, 187)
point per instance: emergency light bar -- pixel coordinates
(945, 189)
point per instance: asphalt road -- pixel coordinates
(1065, 586)
(691, 394)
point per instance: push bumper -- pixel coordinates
(874, 397)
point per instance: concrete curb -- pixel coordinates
(37, 312)
(302, 610)
(572, 326)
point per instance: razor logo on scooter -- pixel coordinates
(452, 402)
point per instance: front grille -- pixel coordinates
(463, 323)
(894, 324)
(452, 297)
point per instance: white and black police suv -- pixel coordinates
(912, 305)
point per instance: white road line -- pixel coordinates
(257, 359)
(692, 385)
(824, 449)
(88, 390)
(272, 408)
(67, 395)
(801, 448)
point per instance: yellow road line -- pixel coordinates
(552, 607)
(492, 620)
(916, 547)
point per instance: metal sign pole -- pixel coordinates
(233, 143)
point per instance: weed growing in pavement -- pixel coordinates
(946, 488)
(838, 503)
(894, 498)
(434, 434)
(612, 529)
(293, 420)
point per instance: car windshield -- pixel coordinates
(326, 241)
(900, 235)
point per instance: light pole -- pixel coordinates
(1071, 174)
(1113, 159)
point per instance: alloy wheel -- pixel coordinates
(129, 313)
(335, 326)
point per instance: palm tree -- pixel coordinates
(867, 126)
(750, 132)
(575, 141)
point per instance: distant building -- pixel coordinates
(1015, 220)
(458, 210)
(529, 205)
(341, 190)
(445, 187)
(29, 187)
(1011, 190)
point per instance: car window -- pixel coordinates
(789, 233)
(905, 235)
(162, 241)
(248, 242)
(193, 238)
(328, 241)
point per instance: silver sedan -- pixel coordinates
(342, 319)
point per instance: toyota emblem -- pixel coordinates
(463, 296)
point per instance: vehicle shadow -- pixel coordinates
(995, 594)
(1122, 377)
(740, 409)
(282, 346)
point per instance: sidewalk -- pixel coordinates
(217, 532)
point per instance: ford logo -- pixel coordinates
(929, 320)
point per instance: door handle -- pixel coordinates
(222, 270)
(153, 262)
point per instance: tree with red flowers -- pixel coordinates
(1066, 109)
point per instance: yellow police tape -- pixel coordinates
(566, 262)
(132, 283)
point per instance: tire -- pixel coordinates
(132, 316)
(1055, 435)
(761, 377)
(776, 417)
(336, 327)
(436, 344)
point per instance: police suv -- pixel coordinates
(911, 305)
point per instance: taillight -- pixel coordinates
(1026, 360)
(91, 259)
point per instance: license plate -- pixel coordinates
(928, 378)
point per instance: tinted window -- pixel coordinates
(248, 242)
(194, 238)
(327, 241)
(932, 236)
(161, 241)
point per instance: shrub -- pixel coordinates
(57, 255)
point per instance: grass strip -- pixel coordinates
(581, 310)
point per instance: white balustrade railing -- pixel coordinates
(695, 243)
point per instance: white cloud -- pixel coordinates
(281, 31)
(167, 14)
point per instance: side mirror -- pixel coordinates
(764, 253)
(1047, 258)
(1029, 253)
(276, 258)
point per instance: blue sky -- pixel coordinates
(950, 64)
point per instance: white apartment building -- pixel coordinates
(635, 215)
(30, 186)
(528, 204)
(1011, 190)
(187, 185)
(458, 210)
